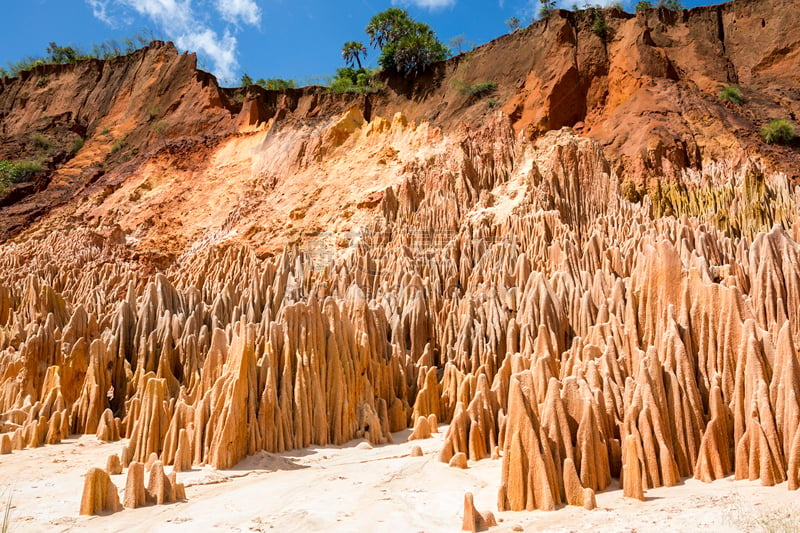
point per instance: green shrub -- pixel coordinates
(643, 5)
(153, 111)
(407, 47)
(76, 145)
(42, 81)
(491, 103)
(41, 142)
(779, 131)
(671, 5)
(513, 24)
(276, 84)
(247, 81)
(630, 191)
(15, 172)
(350, 80)
(479, 89)
(104, 131)
(600, 27)
(159, 127)
(116, 146)
(731, 93)
(546, 7)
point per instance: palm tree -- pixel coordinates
(352, 52)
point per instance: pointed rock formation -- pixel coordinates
(99, 494)
(474, 520)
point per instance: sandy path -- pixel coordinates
(354, 489)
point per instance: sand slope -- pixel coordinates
(351, 488)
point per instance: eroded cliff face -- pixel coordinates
(302, 268)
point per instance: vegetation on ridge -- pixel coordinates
(271, 84)
(670, 5)
(600, 27)
(513, 24)
(546, 7)
(406, 46)
(64, 55)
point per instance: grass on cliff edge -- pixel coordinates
(65, 55)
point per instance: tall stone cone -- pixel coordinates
(528, 473)
(714, 460)
(160, 488)
(147, 434)
(794, 463)
(182, 418)
(93, 400)
(18, 440)
(455, 440)
(234, 415)
(99, 493)
(107, 429)
(592, 452)
(113, 465)
(573, 490)
(758, 452)
(631, 470)
(55, 431)
(427, 401)
(135, 494)
(5, 444)
(481, 412)
(183, 455)
(422, 429)
(370, 425)
(477, 442)
(473, 520)
(433, 423)
(784, 389)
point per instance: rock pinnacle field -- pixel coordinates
(549, 284)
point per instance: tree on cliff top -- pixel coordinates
(672, 5)
(352, 52)
(407, 46)
(546, 7)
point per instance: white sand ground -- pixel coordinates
(350, 488)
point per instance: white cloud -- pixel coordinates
(236, 11)
(168, 14)
(570, 4)
(180, 22)
(100, 10)
(222, 51)
(426, 4)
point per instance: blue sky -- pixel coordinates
(292, 39)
